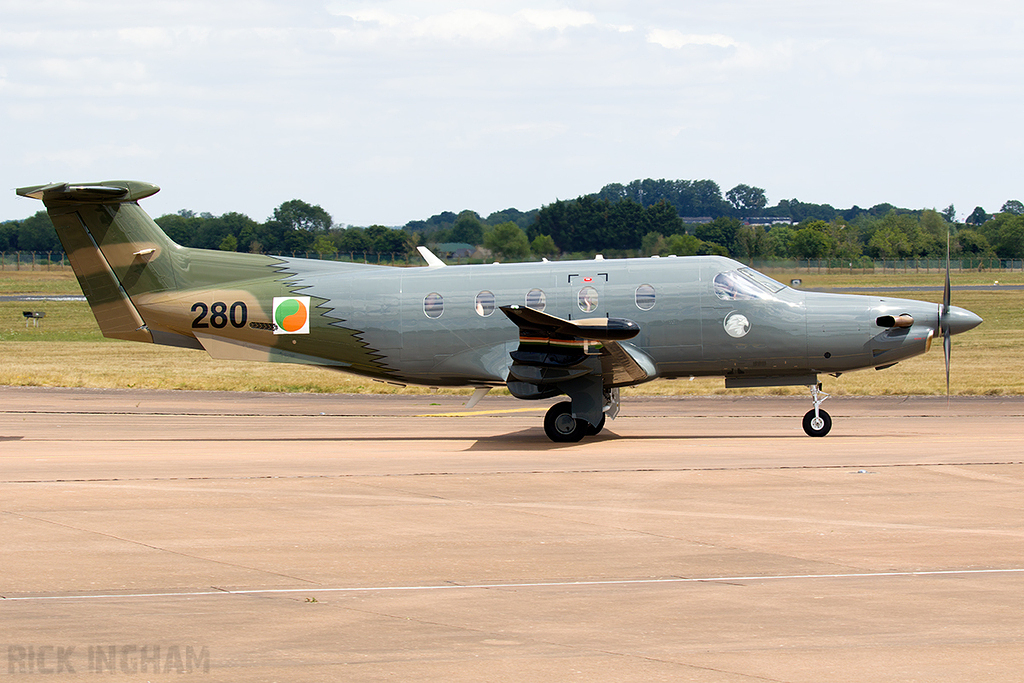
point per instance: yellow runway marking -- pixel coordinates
(482, 412)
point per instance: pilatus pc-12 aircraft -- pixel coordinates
(579, 328)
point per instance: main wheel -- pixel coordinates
(817, 426)
(561, 426)
(594, 430)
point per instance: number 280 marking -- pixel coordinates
(220, 315)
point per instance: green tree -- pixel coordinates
(932, 236)
(323, 245)
(721, 231)
(296, 214)
(652, 243)
(229, 243)
(179, 227)
(890, 242)
(810, 243)
(8, 235)
(682, 245)
(468, 229)
(1014, 206)
(977, 217)
(543, 245)
(507, 240)
(780, 237)
(1006, 231)
(752, 242)
(972, 243)
(36, 233)
(844, 240)
(747, 200)
(353, 240)
(662, 217)
(385, 240)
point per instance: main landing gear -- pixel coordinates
(562, 427)
(817, 422)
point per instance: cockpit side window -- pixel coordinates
(735, 285)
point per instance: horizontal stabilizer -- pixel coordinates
(108, 192)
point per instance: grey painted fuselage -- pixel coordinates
(789, 333)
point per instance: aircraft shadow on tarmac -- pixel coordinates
(536, 439)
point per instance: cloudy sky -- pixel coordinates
(390, 111)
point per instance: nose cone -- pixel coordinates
(961, 320)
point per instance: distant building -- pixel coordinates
(456, 249)
(766, 221)
(769, 220)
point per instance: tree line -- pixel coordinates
(643, 217)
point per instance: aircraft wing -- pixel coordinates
(554, 351)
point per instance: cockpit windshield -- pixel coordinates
(745, 284)
(771, 285)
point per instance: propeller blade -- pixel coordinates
(945, 291)
(946, 348)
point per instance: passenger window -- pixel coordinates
(536, 300)
(645, 297)
(485, 303)
(588, 299)
(433, 305)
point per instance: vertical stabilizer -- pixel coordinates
(114, 247)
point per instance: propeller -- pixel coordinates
(944, 325)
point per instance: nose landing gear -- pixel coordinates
(817, 422)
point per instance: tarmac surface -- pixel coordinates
(256, 537)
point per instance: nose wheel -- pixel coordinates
(817, 422)
(817, 425)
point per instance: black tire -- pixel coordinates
(817, 429)
(594, 430)
(561, 426)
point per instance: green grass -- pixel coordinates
(54, 281)
(67, 349)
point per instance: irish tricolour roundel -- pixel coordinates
(291, 314)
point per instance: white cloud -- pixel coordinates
(80, 158)
(560, 19)
(375, 15)
(462, 23)
(147, 36)
(676, 40)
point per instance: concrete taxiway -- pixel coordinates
(256, 537)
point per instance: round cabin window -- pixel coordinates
(588, 299)
(536, 300)
(433, 305)
(485, 303)
(645, 297)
